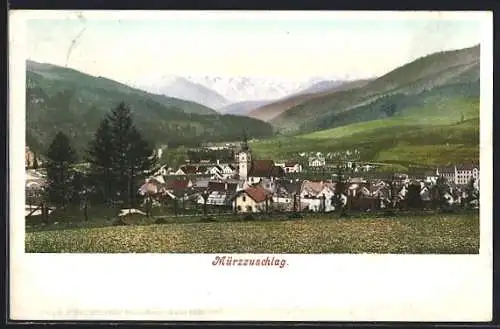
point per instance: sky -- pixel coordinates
(130, 48)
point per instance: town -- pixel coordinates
(240, 184)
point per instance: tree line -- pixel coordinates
(117, 160)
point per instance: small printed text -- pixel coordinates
(263, 261)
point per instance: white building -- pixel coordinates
(291, 167)
(317, 161)
(221, 171)
(460, 174)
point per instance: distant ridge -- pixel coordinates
(274, 109)
(65, 99)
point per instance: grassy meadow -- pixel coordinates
(418, 234)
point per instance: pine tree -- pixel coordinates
(60, 173)
(99, 155)
(119, 156)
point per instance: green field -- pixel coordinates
(440, 233)
(438, 139)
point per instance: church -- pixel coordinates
(253, 171)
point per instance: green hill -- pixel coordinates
(433, 78)
(64, 99)
(429, 135)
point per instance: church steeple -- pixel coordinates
(244, 143)
(244, 158)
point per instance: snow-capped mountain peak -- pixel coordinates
(219, 91)
(242, 88)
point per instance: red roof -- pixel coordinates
(177, 184)
(261, 168)
(264, 168)
(257, 193)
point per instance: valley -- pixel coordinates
(424, 112)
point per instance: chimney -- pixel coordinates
(225, 186)
(218, 161)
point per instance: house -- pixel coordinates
(34, 186)
(261, 169)
(459, 174)
(290, 166)
(323, 200)
(367, 167)
(221, 171)
(252, 200)
(317, 161)
(381, 190)
(310, 189)
(359, 190)
(154, 188)
(219, 193)
(173, 188)
(288, 188)
(293, 167)
(318, 195)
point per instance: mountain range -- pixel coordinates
(187, 110)
(440, 75)
(63, 99)
(182, 88)
(219, 92)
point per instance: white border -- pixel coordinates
(187, 287)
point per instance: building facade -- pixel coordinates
(459, 174)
